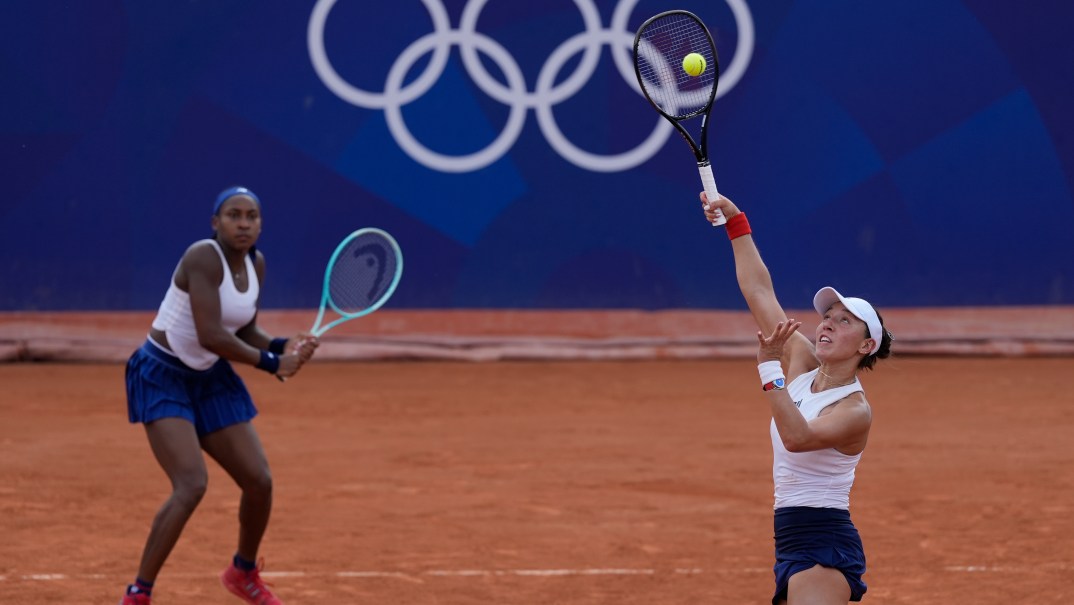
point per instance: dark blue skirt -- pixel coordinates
(807, 536)
(159, 385)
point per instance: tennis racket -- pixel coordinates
(660, 46)
(361, 276)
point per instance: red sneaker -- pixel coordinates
(137, 598)
(248, 585)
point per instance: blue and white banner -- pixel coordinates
(915, 153)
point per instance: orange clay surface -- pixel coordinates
(451, 482)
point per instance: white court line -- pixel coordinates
(436, 573)
(541, 573)
(364, 574)
(51, 577)
(1056, 565)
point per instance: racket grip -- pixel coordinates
(705, 168)
(297, 347)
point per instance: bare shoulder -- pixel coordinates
(854, 415)
(200, 251)
(854, 405)
(199, 260)
(259, 264)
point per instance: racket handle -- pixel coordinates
(705, 168)
(297, 346)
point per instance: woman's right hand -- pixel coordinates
(721, 204)
(289, 365)
(305, 344)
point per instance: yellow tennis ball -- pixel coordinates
(693, 64)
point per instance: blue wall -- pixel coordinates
(917, 153)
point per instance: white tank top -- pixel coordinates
(820, 478)
(176, 320)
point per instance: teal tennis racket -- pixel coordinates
(361, 276)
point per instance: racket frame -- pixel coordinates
(700, 150)
(326, 298)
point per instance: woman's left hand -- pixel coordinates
(771, 348)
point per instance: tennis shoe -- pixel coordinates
(135, 598)
(248, 585)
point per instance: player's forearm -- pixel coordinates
(754, 280)
(229, 346)
(253, 335)
(790, 424)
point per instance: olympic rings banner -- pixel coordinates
(916, 153)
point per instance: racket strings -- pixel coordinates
(661, 47)
(362, 274)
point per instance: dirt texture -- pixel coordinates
(627, 482)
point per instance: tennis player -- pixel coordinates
(181, 386)
(820, 423)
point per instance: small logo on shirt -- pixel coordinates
(798, 404)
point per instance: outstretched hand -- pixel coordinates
(771, 348)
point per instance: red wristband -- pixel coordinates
(737, 226)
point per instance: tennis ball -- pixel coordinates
(693, 64)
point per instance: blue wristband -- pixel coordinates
(277, 345)
(269, 362)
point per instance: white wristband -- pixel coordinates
(771, 373)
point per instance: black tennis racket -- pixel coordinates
(660, 48)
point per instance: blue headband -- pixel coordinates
(232, 192)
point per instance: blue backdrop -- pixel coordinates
(917, 153)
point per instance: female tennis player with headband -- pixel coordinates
(820, 423)
(181, 386)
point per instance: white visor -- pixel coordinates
(860, 308)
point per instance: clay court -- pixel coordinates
(541, 481)
(558, 402)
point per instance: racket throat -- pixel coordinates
(703, 152)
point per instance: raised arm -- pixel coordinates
(755, 282)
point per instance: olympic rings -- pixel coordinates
(547, 92)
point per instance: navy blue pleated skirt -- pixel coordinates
(159, 385)
(807, 536)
